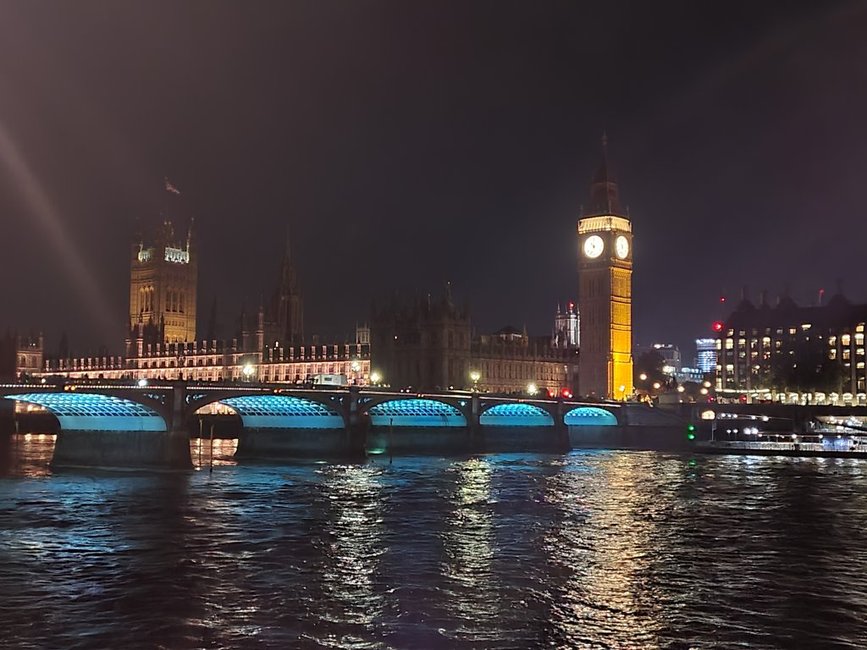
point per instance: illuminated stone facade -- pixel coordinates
(788, 352)
(427, 344)
(163, 283)
(567, 327)
(222, 361)
(20, 356)
(605, 292)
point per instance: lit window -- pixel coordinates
(845, 339)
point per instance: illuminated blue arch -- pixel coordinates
(94, 412)
(416, 413)
(516, 415)
(283, 412)
(590, 416)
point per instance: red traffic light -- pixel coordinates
(718, 326)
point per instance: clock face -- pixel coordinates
(621, 247)
(593, 246)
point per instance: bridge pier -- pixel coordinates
(357, 427)
(474, 424)
(7, 417)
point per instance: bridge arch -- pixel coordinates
(516, 414)
(589, 416)
(415, 412)
(283, 412)
(79, 411)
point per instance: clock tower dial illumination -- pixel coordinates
(605, 290)
(621, 247)
(593, 246)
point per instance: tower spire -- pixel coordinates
(604, 197)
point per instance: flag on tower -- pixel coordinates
(171, 188)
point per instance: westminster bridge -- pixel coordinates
(117, 424)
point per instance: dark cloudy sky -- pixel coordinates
(413, 143)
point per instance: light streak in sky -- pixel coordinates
(49, 220)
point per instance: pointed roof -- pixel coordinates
(604, 197)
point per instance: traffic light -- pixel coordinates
(718, 326)
(690, 432)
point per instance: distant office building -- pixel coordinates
(689, 374)
(790, 349)
(706, 355)
(671, 360)
(567, 327)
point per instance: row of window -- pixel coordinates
(859, 329)
(175, 302)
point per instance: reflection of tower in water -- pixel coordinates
(603, 546)
(468, 546)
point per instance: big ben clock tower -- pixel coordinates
(605, 291)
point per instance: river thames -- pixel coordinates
(607, 549)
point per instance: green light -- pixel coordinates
(690, 436)
(690, 428)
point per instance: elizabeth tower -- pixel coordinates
(605, 291)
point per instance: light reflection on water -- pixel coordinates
(590, 549)
(206, 453)
(468, 548)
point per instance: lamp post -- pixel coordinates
(475, 375)
(248, 371)
(375, 378)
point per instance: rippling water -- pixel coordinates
(591, 549)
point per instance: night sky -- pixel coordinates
(412, 143)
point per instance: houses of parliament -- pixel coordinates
(420, 343)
